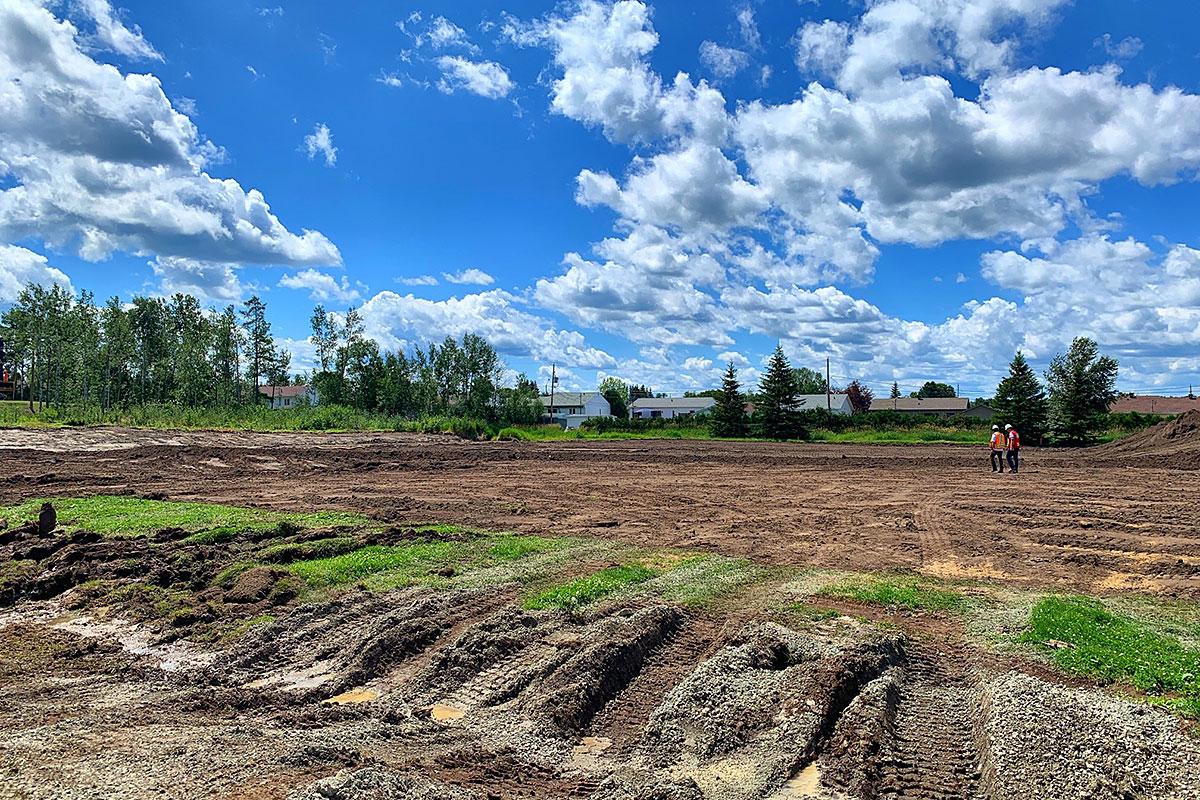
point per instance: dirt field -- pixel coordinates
(166, 666)
(1094, 521)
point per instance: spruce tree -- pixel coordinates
(1082, 386)
(1021, 401)
(896, 389)
(780, 418)
(729, 415)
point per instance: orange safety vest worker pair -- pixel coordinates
(1009, 440)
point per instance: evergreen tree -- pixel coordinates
(779, 415)
(1021, 401)
(729, 415)
(1082, 387)
(260, 346)
(895, 390)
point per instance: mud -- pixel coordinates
(1098, 521)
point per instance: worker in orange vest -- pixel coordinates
(1014, 447)
(997, 445)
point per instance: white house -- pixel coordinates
(572, 408)
(837, 403)
(669, 407)
(289, 396)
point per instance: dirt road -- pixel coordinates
(1075, 520)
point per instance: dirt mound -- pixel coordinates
(1175, 443)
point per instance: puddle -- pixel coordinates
(309, 678)
(134, 638)
(593, 745)
(807, 783)
(444, 713)
(352, 696)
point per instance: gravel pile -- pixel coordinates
(1043, 740)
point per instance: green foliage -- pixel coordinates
(1021, 401)
(776, 415)
(1113, 647)
(729, 415)
(591, 588)
(899, 592)
(616, 392)
(511, 548)
(132, 516)
(1082, 387)
(809, 381)
(935, 389)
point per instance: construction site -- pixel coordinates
(407, 616)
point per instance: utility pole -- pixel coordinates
(553, 383)
(828, 388)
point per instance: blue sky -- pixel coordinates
(912, 188)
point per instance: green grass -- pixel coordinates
(909, 593)
(1118, 648)
(590, 588)
(121, 517)
(380, 567)
(924, 435)
(300, 551)
(402, 563)
(698, 580)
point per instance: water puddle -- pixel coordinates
(593, 745)
(353, 696)
(444, 713)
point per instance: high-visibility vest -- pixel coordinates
(1014, 440)
(997, 441)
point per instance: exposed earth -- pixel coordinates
(186, 665)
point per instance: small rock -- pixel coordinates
(47, 519)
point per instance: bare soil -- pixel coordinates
(1097, 521)
(459, 693)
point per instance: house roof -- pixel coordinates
(674, 402)
(919, 404)
(568, 399)
(1154, 404)
(808, 402)
(283, 391)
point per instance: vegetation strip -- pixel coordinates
(910, 593)
(132, 516)
(590, 588)
(1085, 638)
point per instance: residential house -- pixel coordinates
(1155, 404)
(669, 407)
(932, 406)
(835, 404)
(570, 409)
(980, 411)
(288, 396)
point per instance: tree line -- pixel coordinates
(1072, 407)
(65, 350)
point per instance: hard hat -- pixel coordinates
(995, 427)
(1008, 427)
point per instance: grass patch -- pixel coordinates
(698, 580)
(299, 551)
(900, 592)
(810, 613)
(210, 523)
(511, 548)
(590, 588)
(924, 435)
(1118, 648)
(403, 563)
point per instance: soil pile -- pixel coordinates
(1175, 443)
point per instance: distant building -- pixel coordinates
(1155, 404)
(980, 411)
(669, 407)
(289, 396)
(934, 406)
(835, 403)
(572, 408)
